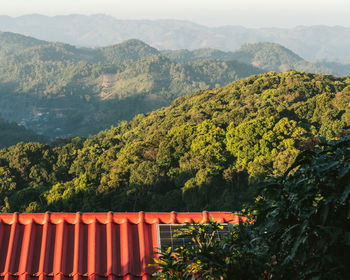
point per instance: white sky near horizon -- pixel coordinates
(250, 13)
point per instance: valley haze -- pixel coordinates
(311, 42)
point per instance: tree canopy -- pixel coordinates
(297, 228)
(207, 150)
(60, 90)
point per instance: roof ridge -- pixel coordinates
(37, 274)
(116, 217)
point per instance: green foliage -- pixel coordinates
(234, 256)
(12, 42)
(11, 134)
(267, 56)
(208, 143)
(258, 143)
(205, 151)
(59, 90)
(297, 229)
(274, 57)
(183, 56)
(304, 215)
(130, 50)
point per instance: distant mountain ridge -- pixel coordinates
(60, 90)
(11, 42)
(267, 56)
(310, 42)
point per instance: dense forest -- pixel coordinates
(58, 90)
(11, 133)
(297, 228)
(266, 56)
(207, 150)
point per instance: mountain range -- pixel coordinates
(60, 90)
(310, 42)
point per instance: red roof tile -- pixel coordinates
(77, 246)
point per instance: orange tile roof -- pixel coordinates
(77, 246)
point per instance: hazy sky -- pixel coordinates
(251, 13)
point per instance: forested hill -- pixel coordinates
(274, 57)
(267, 56)
(12, 43)
(12, 133)
(205, 151)
(26, 48)
(59, 90)
(130, 50)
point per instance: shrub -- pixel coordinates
(301, 228)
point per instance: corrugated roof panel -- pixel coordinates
(86, 246)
